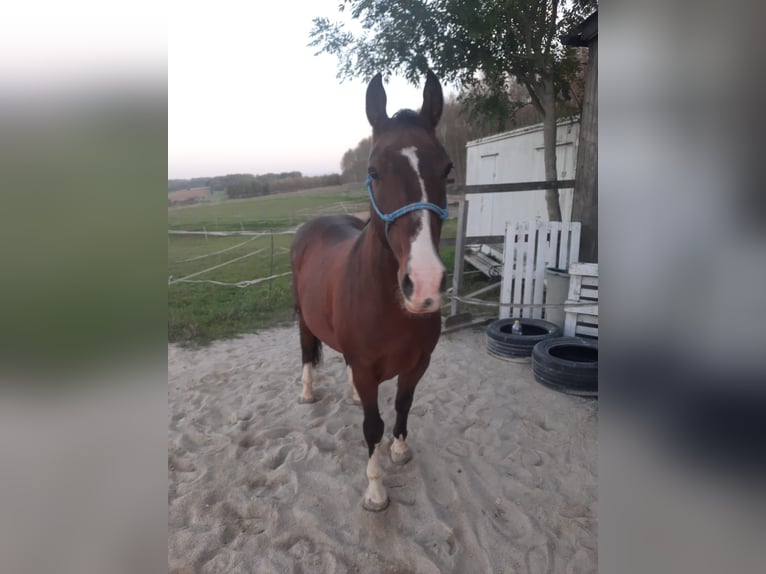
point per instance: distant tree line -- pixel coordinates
(304, 182)
(353, 164)
(179, 184)
(239, 185)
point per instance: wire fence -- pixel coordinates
(172, 281)
(256, 281)
(204, 255)
(247, 283)
(232, 233)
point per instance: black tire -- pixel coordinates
(503, 344)
(568, 365)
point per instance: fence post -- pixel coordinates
(457, 274)
(271, 264)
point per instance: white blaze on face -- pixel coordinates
(426, 269)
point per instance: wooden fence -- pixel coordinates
(462, 239)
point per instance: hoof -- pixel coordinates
(401, 457)
(372, 506)
(304, 401)
(400, 452)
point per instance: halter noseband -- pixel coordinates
(394, 215)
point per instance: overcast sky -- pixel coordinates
(246, 93)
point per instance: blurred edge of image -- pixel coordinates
(83, 399)
(682, 435)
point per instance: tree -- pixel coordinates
(484, 46)
(456, 128)
(353, 165)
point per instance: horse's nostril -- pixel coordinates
(443, 284)
(407, 286)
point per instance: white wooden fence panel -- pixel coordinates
(529, 267)
(581, 329)
(551, 246)
(563, 260)
(509, 256)
(518, 251)
(574, 244)
(575, 287)
(583, 287)
(590, 282)
(542, 246)
(531, 247)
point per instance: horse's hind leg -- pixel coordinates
(311, 354)
(400, 451)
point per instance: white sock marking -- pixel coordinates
(399, 447)
(307, 378)
(376, 493)
(350, 374)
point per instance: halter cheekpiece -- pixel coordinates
(394, 215)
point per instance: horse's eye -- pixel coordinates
(372, 173)
(446, 171)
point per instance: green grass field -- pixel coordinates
(202, 312)
(269, 212)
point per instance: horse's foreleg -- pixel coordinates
(375, 497)
(350, 374)
(311, 354)
(400, 451)
(307, 383)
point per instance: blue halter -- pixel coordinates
(394, 215)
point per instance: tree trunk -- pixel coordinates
(585, 198)
(548, 101)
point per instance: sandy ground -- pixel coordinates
(503, 478)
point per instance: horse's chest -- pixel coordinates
(393, 348)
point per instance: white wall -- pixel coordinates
(513, 157)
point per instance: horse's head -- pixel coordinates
(407, 180)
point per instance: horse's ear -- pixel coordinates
(376, 101)
(433, 100)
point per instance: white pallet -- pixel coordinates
(530, 248)
(583, 288)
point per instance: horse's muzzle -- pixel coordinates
(421, 299)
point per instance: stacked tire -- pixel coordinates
(568, 365)
(504, 344)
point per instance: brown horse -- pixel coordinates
(372, 291)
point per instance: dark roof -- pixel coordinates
(584, 34)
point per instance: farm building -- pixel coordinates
(503, 227)
(517, 156)
(511, 157)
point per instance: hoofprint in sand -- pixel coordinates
(502, 479)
